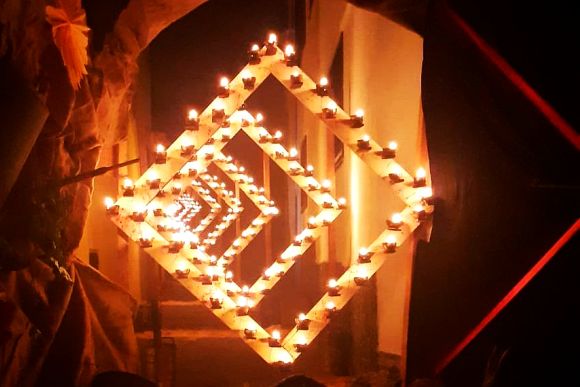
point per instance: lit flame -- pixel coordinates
(418, 208)
(224, 81)
(289, 50)
(192, 115)
(391, 240)
(363, 251)
(323, 81)
(365, 138)
(420, 173)
(259, 117)
(246, 74)
(326, 184)
(331, 105)
(159, 148)
(301, 317)
(272, 38)
(127, 183)
(397, 218)
(310, 168)
(255, 47)
(359, 113)
(109, 202)
(181, 265)
(276, 335)
(332, 283)
(296, 73)
(392, 145)
(293, 152)
(229, 275)
(330, 305)
(341, 201)
(278, 135)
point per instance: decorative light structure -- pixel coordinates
(207, 280)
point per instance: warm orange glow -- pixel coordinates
(276, 335)
(365, 138)
(326, 184)
(229, 275)
(301, 317)
(255, 47)
(278, 135)
(159, 148)
(259, 117)
(224, 82)
(359, 113)
(330, 305)
(392, 145)
(332, 283)
(323, 81)
(127, 183)
(296, 73)
(363, 252)
(342, 202)
(391, 240)
(293, 152)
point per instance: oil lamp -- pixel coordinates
(364, 143)
(224, 88)
(302, 322)
(390, 244)
(395, 222)
(128, 187)
(361, 277)
(364, 255)
(250, 331)
(216, 300)
(153, 180)
(160, 154)
(296, 79)
(420, 178)
(271, 44)
(192, 121)
(248, 79)
(395, 174)
(341, 203)
(277, 137)
(274, 340)
(329, 111)
(309, 171)
(289, 55)
(181, 269)
(333, 288)
(110, 206)
(254, 54)
(293, 154)
(322, 87)
(300, 344)
(326, 185)
(186, 147)
(390, 151)
(218, 113)
(357, 119)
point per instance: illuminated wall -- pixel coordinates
(382, 71)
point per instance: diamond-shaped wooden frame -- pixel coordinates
(413, 192)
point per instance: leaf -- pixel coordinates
(69, 32)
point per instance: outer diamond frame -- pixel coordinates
(271, 60)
